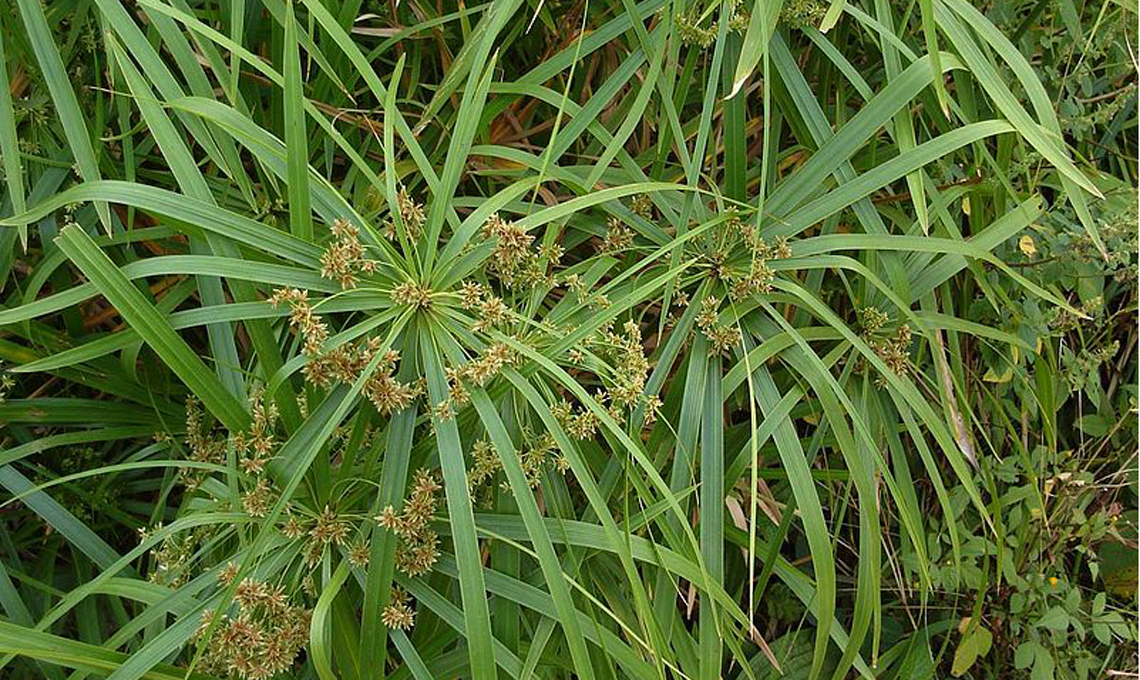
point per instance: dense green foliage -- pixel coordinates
(552, 339)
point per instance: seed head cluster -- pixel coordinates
(386, 393)
(7, 382)
(411, 214)
(581, 291)
(631, 368)
(328, 529)
(412, 294)
(419, 544)
(893, 348)
(512, 260)
(490, 309)
(803, 13)
(344, 259)
(618, 237)
(475, 373)
(579, 423)
(173, 557)
(303, 318)
(259, 640)
(540, 454)
(642, 206)
(345, 363)
(204, 446)
(758, 279)
(399, 613)
(722, 337)
(691, 34)
(255, 446)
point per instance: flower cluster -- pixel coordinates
(477, 373)
(492, 312)
(173, 556)
(580, 290)
(345, 363)
(631, 368)
(758, 279)
(7, 382)
(894, 350)
(255, 446)
(580, 424)
(411, 214)
(399, 613)
(485, 465)
(412, 294)
(303, 318)
(344, 259)
(419, 544)
(258, 501)
(386, 393)
(722, 337)
(872, 319)
(803, 13)
(642, 206)
(360, 553)
(692, 35)
(261, 639)
(513, 260)
(618, 237)
(204, 446)
(540, 451)
(329, 528)
(740, 20)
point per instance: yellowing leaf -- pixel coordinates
(1003, 377)
(970, 649)
(1027, 245)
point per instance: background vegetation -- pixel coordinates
(560, 338)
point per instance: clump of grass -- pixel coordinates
(462, 328)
